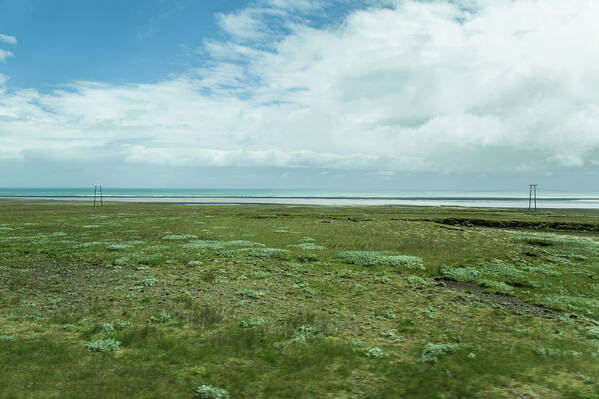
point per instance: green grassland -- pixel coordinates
(173, 301)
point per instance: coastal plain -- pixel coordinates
(282, 301)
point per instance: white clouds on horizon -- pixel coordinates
(423, 86)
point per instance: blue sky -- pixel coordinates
(457, 94)
(66, 40)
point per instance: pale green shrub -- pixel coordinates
(161, 319)
(107, 327)
(264, 252)
(387, 314)
(91, 244)
(593, 332)
(551, 352)
(306, 258)
(430, 313)
(211, 392)
(301, 335)
(344, 273)
(122, 261)
(542, 351)
(252, 322)
(249, 294)
(121, 325)
(194, 263)
(118, 247)
(149, 282)
(103, 345)
(216, 244)
(375, 352)
(376, 258)
(55, 301)
(155, 248)
(298, 267)
(259, 275)
(309, 247)
(432, 352)
(300, 285)
(391, 334)
(497, 286)
(543, 269)
(466, 274)
(420, 281)
(174, 237)
(500, 268)
(570, 301)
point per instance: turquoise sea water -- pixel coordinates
(505, 199)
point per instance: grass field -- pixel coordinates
(171, 301)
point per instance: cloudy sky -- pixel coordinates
(339, 94)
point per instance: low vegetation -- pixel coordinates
(155, 301)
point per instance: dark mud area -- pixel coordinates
(518, 224)
(504, 301)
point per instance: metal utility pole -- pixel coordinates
(532, 196)
(98, 191)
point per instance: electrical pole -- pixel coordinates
(532, 196)
(98, 191)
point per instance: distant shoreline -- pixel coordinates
(351, 197)
(580, 203)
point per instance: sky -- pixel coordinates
(373, 95)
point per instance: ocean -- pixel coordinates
(497, 199)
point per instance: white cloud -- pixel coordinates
(4, 54)
(423, 86)
(8, 39)
(244, 25)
